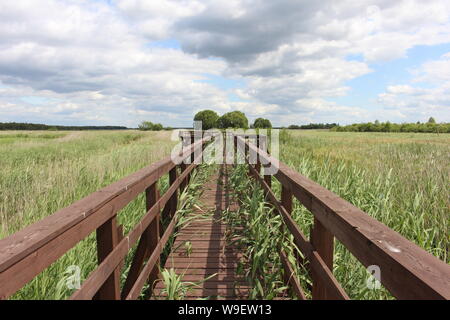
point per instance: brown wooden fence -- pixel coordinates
(407, 271)
(28, 252)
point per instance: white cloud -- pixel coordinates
(413, 100)
(94, 61)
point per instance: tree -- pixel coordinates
(262, 123)
(208, 118)
(150, 126)
(234, 119)
(431, 120)
(146, 125)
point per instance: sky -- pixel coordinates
(121, 62)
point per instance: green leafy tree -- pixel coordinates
(150, 126)
(234, 119)
(146, 125)
(208, 118)
(262, 123)
(431, 120)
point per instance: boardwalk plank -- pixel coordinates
(210, 255)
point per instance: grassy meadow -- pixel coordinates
(401, 179)
(42, 172)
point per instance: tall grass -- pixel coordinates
(41, 175)
(400, 180)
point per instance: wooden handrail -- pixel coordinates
(407, 271)
(92, 284)
(28, 252)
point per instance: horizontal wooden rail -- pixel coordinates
(28, 252)
(407, 271)
(334, 288)
(104, 270)
(290, 277)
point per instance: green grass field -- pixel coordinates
(400, 179)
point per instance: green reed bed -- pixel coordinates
(40, 176)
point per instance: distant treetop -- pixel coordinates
(208, 118)
(262, 123)
(234, 119)
(150, 126)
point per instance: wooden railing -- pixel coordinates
(407, 271)
(28, 252)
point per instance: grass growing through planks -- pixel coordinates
(260, 236)
(174, 287)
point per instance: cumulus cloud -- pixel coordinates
(413, 99)
(95, 61)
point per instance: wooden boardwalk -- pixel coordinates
(202, 248)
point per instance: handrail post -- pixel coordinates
(107, 240)
(267, 179)
(286, 199)
(192, 142)
(184, 183)
(146, 246)
(323, 242)
(174, 198)
(258, 163)
(151, 194)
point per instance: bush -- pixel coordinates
(150, 126)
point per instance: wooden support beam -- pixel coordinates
(174, 199)
(323, 242)
(107, 240)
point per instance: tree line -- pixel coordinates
(313, 126)
(36, 126)
(431, 127)
(150, 126)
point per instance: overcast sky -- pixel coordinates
(119, 62)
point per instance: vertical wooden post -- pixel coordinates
(192, 142)
(286, 199)
(120, 237)
(146, 246)
(267, 179)
(153, 232)
(107, 240)
(323, 242)
(174, 198)
(184, 183)
(258, 163)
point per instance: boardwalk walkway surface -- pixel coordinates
(201, 249)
